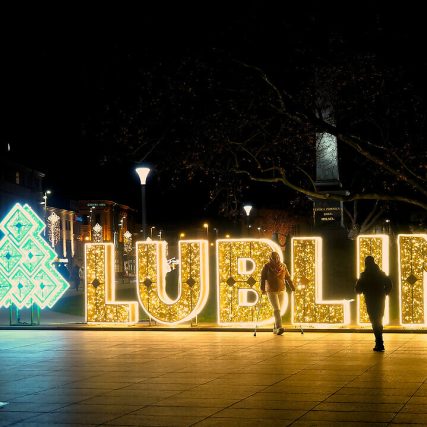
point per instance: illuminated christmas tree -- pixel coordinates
(27, 275)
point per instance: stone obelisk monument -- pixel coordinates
(327, 213)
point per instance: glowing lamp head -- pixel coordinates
(143, 173)
(247, 209)
(205, 225)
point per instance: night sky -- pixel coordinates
(60, 64)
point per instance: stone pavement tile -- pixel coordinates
(418, 400)
(410, 418)
(73, 418)
(153, 421)
(276, 414)
(233, 422)
(404, 387)
(422, 391)
(284, 369)
(199, 402)
(117, 410)
(30, 424)
(104, 386)
(178, 411)
(253, 403)
(182, 378)
(9, 418)
(414, 408)
(148, 392)
(357, 406)
(366, 398)
(58, 396)
(354, 416)
(31, 407)
(376, 391)
(325, 375)
(223, 391)
(291, 395)
(244, 379)
(337, 424)
(132, 400)
(301, 389)
(160, 386)
(314, 383)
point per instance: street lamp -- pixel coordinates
(45, 206)
(206, 225)
(151, 231)
(216, 233)
(247, 209)
(143, 173)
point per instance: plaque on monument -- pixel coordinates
(328, 213)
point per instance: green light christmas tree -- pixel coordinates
(27, 275)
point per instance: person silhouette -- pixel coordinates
(374, 284)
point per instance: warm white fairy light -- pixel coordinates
(127, 242)
(97, 233)
(308, 304)
(412, 252)
(377, 246)
(239, 265)
(53, 228)
(193, 282)
(100, 286)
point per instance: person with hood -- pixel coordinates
(374, 284)
(275, 279)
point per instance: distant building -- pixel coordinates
(19, 184)
(105, 221)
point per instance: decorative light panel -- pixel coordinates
(97, 233)
(377, 246)
(412, 251)
(53, 227)
(308, 304)
(127, 242)
(239, 265)
(27, 275)
(101, 306)
(193, 282)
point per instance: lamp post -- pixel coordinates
(206, 225)
(143, 173)
(247, 209)
(45, 207)
(151, 231)
(216, 233)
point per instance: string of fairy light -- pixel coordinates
(239, 285)
(54, 229)
(193, 280)
(412, 251)
(231, 281)
(308, 306)
(101, 306)
(377, 246)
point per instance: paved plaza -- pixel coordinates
(186, 378)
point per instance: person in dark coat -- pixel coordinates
(275, 279)
(75, 277)
(374, 284)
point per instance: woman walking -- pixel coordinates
(274, 278)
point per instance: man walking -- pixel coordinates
(374, 284)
